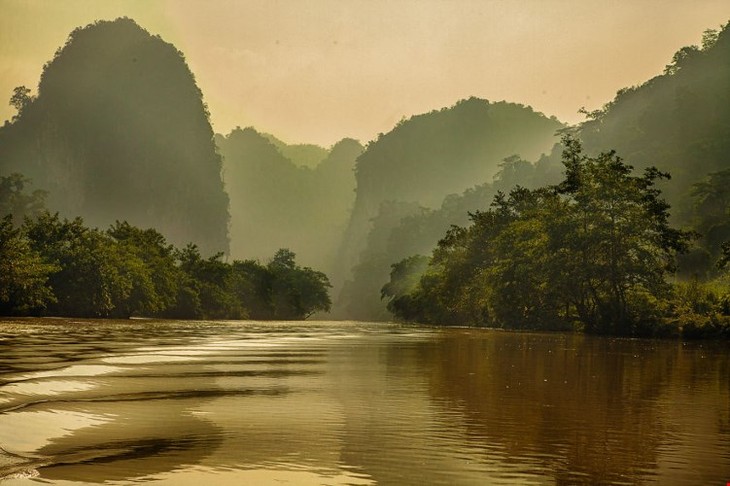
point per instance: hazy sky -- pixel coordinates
(319, 70)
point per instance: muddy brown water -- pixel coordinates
(335, 403)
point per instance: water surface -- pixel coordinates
(337, 403)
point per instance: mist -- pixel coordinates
(127, 125)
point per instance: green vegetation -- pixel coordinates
(23, 273)
(679, 120)
(592, 253)
(573, 239)
(424, 161)
(118, 131)
(60, 267)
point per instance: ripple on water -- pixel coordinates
(356, 403)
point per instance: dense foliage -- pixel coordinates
(401, 229)
(680, 119)
(420, 162)
(593, 252)
(118, 130)
(278, 199)
(60, 267)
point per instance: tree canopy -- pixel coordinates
(60, 267)
(593, 251)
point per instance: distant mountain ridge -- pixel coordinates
(277, 202)
(301, 154)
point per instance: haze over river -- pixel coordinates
(332, 403)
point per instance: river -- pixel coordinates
(332, 403)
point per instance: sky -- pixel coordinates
(315, 71)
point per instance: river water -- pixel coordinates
(333, 403)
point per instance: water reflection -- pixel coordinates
(592, 410)
(354, 403)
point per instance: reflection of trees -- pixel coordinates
(388, 430)
(593, 409)
(452, 406)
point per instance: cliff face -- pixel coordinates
(118, 131)
(277, 203)
(429, 156)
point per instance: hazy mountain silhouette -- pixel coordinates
(277, 203)
(678, 121)
(301, 154)
(420, 162)
(118, 130)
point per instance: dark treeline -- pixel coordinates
(60, 267)
(592, 253)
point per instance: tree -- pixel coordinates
(205, 288)
(404, 276)
(158, 287)
(20, 100)
(595, 249)
(23, 273)
(620, 236)
(14, 200)
(296, 292)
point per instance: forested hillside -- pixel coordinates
(401, 230)
(678, 121)
(419, 163)
(510, 265)
(279, 201)
(118, 130)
